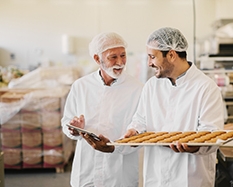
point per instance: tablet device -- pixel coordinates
(84, 131)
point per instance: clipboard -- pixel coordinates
(84, 131)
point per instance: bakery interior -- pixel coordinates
(44, 49)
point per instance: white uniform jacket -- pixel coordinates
(194, 104)
(107, 110)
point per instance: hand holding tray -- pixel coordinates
(84, 131)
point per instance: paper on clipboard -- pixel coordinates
(84, 131)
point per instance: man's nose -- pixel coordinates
(121, 61)
(150, 63)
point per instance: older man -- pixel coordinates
(178, 98)
(103, 102)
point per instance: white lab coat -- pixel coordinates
(195, 103)
(107, 110)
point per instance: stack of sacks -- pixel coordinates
(38, 137)
(57, 148)
(31, 135)
(11, 131)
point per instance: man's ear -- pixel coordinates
(97, 58)
(172, 55)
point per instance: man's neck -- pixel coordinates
(108, 81)
(180, 72)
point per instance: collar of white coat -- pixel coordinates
(116, 82)
(186, 75)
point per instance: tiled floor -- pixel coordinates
(37, 178)
(49, 177)
(44, 177)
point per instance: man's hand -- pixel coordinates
(78, 122)
(99, 145)
(130, 132)
(181, 148)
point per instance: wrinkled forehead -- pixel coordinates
(114, 51)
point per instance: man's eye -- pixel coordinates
(112, 57)
(152, 56)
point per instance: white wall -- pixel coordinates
(32, 29)
(224, 9)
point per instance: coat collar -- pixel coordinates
(115, 82)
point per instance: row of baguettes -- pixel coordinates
(182, 137)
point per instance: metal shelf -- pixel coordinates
(218, 71)
(216, 58)
(229, 103)
(230, 117)
(226, 58)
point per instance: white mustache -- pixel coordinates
(118, 67)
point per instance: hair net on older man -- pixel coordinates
(166, 39)
(104, 41)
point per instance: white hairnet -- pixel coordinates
(105, 41)
(166, 39)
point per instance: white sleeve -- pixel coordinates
(205, 150)
(211, 115)
(139, 118)
(69, 113)
(125, 150)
